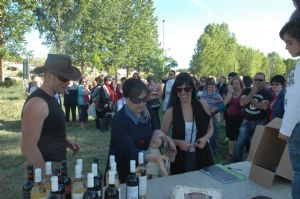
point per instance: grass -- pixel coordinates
(93, 144)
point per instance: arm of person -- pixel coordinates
(227, 98)
(73, 146)
(201, 142)
(246, 99)
(263, 105)
(34, 113)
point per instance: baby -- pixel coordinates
(160, 144)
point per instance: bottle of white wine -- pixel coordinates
(97, 180)
(132, 182)
(90, 192)
(54, 194)
(78, 187)
(30, 182)
(142, 174)
(46, 180)
(111, 159)
(38, 191)
(111, 191)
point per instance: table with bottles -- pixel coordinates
(161, 188)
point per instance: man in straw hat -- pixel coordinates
(43, 124)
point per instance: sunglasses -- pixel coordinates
(61, 78)
(186, 89)
(138, 100)
(259, 80)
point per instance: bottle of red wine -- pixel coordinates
(66, 180)
(97, 180)
(132, 182)
(90, 192)
(54, 194)
(142, 174)
(111, 191)
(30, 182)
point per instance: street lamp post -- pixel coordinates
(163, 40)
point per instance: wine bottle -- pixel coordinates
(38, 191)
(30, 182)
(46, 180)
(66, 180)
(111, 159)
(78, 187)
(117, 180)
(111, 191)
(132, 182)
(54, 194)
(80, 163)
(61, 187)
(90, 193)
(97, 180)
(142, 174)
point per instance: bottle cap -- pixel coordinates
(77, 171)
(48, 168)
(90, 180)
(141, 158)
(112, 158)
(114, 167)
(54, 183)
(94, 169)
(132, 166)
(80, 163)
(37, 175)
(111, 177)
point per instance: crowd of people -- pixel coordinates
(192, 109)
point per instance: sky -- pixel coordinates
(255, 23)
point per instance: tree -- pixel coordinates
(276, 63)
(215, 51)
(290, 64)
(15, 21)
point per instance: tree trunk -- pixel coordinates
(1, 42)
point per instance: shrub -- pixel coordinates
(8, 83)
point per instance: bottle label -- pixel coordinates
(142, 185)
(68, 188)
(77, 195)
(132, 192)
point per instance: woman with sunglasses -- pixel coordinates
(132, 128)
(191, 126)
(290, 127)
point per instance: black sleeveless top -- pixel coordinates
(204, 156)
(52, 142)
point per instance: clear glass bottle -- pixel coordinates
(78, 187)
(111, 191)
(132, 182)
(29, 183)
(38, 191)
(90, 192)
(54, 194)
(46, 180)
(142, 174)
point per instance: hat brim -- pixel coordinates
(74, 74)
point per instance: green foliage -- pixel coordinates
(276, 64)
(215, 51)
(290, 64)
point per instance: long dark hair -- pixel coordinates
(182, 78)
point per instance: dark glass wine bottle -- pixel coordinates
(111, 191)
(97, 180)
(54, 194)
(132, 182)
(30, 182)
(61, 187)
(142, 174)
(90, 192)
(66, 180)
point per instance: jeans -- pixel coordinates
(294, 153)
(72, 108)
(213, 139)
(83, 115)
(246, 131)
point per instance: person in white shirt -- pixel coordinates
(290, 128)
(168, 88)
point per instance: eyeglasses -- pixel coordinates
(186, 89)
(61, 78)
(259, 80)
(275, 84)
(138, 100)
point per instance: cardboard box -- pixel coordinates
(269, 155)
